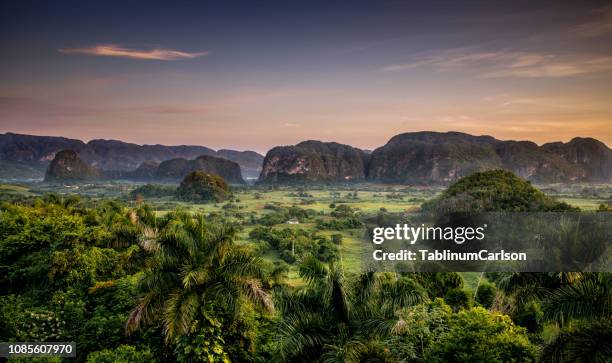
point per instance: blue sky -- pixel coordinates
(255, 74)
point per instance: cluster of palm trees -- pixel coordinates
(578, 304)
(340, 320)
(191, 263)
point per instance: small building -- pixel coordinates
(293, 221)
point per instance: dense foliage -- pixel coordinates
(296, 244)
(199, 186)
(492, 191)
(131, 285)
(152, 191)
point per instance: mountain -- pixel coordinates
(176, 169)
(313, 161)
(145, 171)
(119, 155)
(68, 166)
(592, 157)
(529, 161)
(409, 158)
(433, 157)
(27, 156)
(250, 162)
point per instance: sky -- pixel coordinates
(257, 74)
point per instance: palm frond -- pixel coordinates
(299, 332)
(587, 342)
(337, 294)
(257, 294)
(145, 312)
(312, 270)
(589, 298)
(192, 276)
(180, 311)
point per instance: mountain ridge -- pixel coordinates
(412, 157)
(435, 157)
(30, 155)
(313, 160)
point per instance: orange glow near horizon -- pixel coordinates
(252, 79)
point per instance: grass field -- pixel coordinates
(251, 203)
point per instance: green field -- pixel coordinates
(251, 202)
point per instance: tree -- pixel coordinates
(458, 299)
(485, 294)
(336, 238)
(479, 336)
(334, 320)
(197, 278)
(199, 186)
(583, 309)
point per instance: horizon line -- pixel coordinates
(263, 153)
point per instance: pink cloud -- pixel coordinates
(111, 50)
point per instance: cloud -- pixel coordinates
(554, 68)
(497, 64)
(599, 26)
(445, 60)
(111, 50)
(290, 124)
(172, 109)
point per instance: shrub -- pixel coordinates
(530, 316)
(485, 295)
(458, 299)
(125, 353)
(153, 191)
(343, 211)
(479, 336)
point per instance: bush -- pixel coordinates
(123, 354)
(485, 295)
(294, 244)
(153, 191)
(458, 299)
(530, 316)
(340, 224)
(271, 219)
(439, 283)
(343, 211)
(479, 336)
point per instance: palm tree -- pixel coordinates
(583, 309)
(333, 321)
(192, 264)
(579, 303)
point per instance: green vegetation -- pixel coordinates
(152, 191)
(495, 190)
(274, 274)
(199, 186)
(295, 244)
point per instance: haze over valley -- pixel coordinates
(409, 158)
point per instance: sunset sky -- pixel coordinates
(256, 74)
